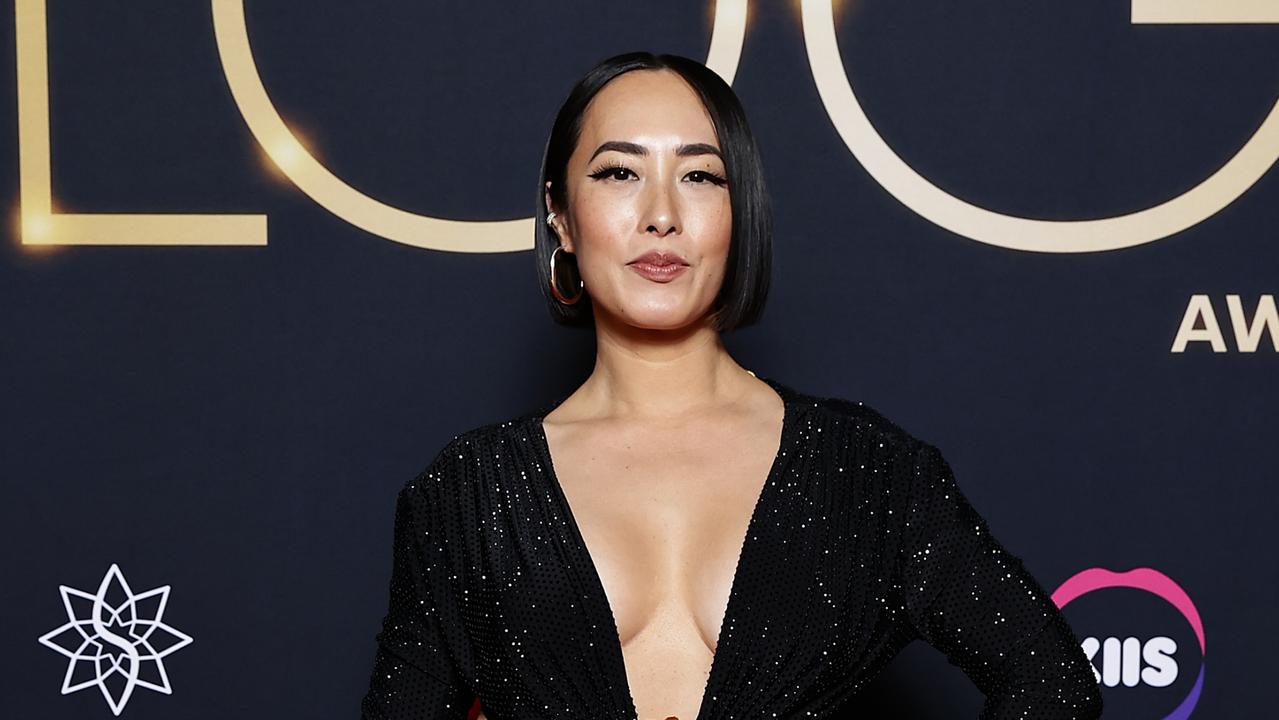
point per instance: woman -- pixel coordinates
(678, 537)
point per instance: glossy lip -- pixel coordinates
(658, 273)
(660, 258)
(660, 266)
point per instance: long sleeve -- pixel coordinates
(977, 603)
(414, 671)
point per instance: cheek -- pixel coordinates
(712, 224)
(602, 220)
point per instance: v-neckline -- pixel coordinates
(734, 593)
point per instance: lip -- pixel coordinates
(660, 266)
(658, 273)
(660, 257)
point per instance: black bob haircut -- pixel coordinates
(740, 301)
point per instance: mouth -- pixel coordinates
(661, 257)
(659, 267)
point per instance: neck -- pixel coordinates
(643, 373)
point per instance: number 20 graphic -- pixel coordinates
(42, 225)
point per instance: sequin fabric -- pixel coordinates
(860, 542)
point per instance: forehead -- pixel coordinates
(647, 106)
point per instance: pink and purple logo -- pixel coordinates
(1123, 660)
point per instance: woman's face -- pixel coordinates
(646, 176)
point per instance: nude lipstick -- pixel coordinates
(660, 266)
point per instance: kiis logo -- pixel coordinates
(1130, 661)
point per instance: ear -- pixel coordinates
(558, 224)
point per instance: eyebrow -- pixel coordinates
(630, 148)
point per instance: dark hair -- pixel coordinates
(740, 301)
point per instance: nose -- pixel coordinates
(661, 211)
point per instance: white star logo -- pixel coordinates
(107, 640)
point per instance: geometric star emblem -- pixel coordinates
(115, 640)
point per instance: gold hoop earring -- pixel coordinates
(555, 290)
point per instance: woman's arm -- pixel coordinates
(414, 674)
(974, 601)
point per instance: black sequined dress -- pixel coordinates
(860, 542)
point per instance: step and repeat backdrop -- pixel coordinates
(263, 259)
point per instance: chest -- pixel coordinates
(664, 524)
(661, 533)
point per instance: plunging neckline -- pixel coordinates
(597, 584)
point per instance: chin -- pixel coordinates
(661, 320)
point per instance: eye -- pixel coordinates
(612, 171)
(705, 176)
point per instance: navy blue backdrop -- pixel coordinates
(231, 420)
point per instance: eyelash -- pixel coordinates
(609, 168)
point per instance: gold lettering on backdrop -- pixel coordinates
(1247, 334)
(1204, 12)
(370, 214)
(1018, 233)
(40, 223)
